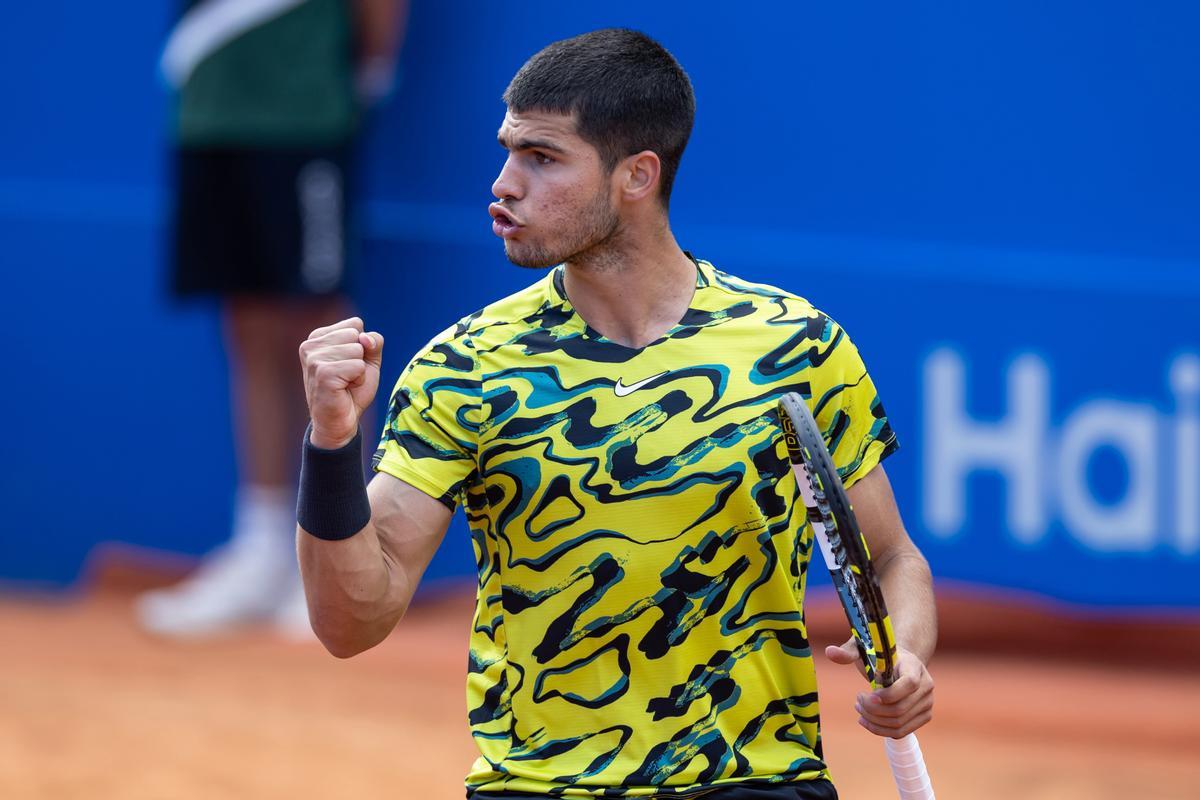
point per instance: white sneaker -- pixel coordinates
(239, 583)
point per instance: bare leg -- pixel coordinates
(254, 577)
(263, 336)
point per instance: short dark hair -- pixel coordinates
(627, 93)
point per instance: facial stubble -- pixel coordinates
(598, 225)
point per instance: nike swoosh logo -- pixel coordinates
(621, 389)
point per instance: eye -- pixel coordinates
(542, 158)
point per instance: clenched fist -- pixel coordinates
(341, 375)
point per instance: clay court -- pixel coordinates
(996, 202)
(93, 708)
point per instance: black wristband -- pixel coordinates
(332, 503)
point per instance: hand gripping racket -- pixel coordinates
(845, 551)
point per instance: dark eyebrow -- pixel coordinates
(529, 144)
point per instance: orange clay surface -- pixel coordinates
(90, 707)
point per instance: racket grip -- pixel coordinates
(908, 768)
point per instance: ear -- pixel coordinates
(638, 176)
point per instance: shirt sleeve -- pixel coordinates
(430, 437)
(847, 407)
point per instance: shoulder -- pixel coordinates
(533, 306)
(524, 307)
(776, 306)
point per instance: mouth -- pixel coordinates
(504, 224)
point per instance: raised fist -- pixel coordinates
(341, 375)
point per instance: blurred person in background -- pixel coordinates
(271, 95)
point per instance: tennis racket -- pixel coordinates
(845, 552)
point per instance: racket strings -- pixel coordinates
(853, 557)
(851, 583)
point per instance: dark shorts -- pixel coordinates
(267, 222)
(801, 790)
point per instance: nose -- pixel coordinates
(506, 186)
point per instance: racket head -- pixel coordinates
(844, 547)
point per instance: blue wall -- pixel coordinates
(998, 202)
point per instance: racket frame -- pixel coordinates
(846, 554)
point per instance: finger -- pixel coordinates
(311, 350)
(372, 344)
(918, 716)
(896, 731)
(903, 687)
(870, 705)
(336, 336)
(338, 374)
(842, 654)
(355, 323)
(352, 351)
(897, 708)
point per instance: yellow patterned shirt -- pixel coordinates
(640, 543)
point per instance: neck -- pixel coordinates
(633, 289)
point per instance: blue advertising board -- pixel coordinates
(1001, 215)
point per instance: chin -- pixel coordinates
(529, 257)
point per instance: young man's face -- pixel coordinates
(554, 195)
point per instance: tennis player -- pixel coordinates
(611, 435)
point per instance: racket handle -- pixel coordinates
(908, 768)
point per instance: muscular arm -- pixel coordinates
(359, 588)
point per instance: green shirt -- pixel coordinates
(287, 82)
